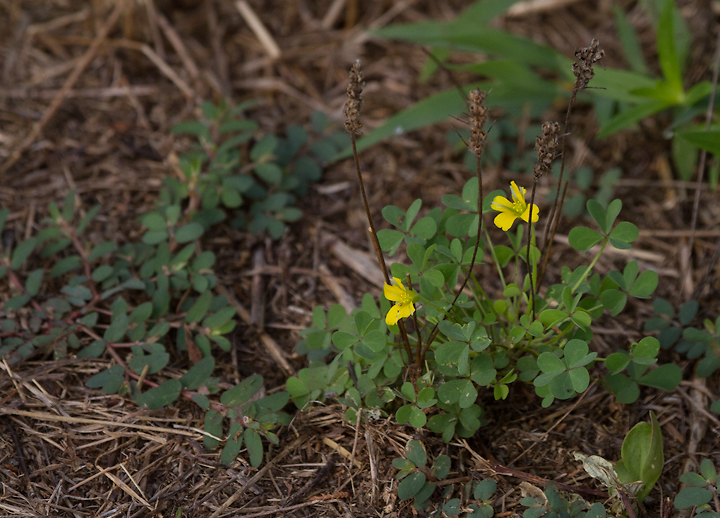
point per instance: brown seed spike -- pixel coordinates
(478, 116)
(354, 104)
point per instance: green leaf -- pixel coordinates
(642, 454)
(692, 496)
(616, 362)
(155, 361)
(65, 265)
(233, 444)
(254, 447)
(628, 41)
(411, 486)
(160, 396)
(263, 148)
(94, 350)
(22, 252)
(200, 308)
(415, 453)
(154, 222)
(198, 373)
(242, 392)
(189, 232)
(583, 238)
(269, 172)
(219, 318)
(485, 489)
(626, 232)
(389, 239)
(102, 272)
(109, 380)
(665, 377)
(645, 284)
(667, 53)
(631, 116)
(32, 283)
(707, 468)
(89, 216)
(213, 426)
(548, 362)
(441, 466)
(707, 139)
(116, 330)
(196, 128)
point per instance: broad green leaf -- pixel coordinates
(415, 453)
(32, 283)
(692, 496)
(410, 486)
(189, 232)
(583, 238)
(155, 361)
(116, 330)
(665, 377)
(233, 444)
(625, 231)
(628, 41)
(631, 116)
(242, 392)
(213, 426)
(254, 447)
(198, 373)
(667, 53)
(200, 308)
(707, 139)
(161, 395)
(548, 362)
(109, 380)
(65, 265)
(642, 454)
(22, 252)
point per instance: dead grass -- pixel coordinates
(89, 93)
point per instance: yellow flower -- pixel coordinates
(404, 298)
(511, 210)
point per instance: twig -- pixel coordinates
(257, 26)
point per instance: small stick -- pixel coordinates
(257, 26)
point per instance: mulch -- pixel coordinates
(89, 93)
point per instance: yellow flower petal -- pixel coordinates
(505, 220)
(406, 310)
(536, 213)
(518, 193)
(397, 292)
(501, 203)
(393, 315)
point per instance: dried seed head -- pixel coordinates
(547, 147)
(583, 67)
(478, 115)
(354, 104)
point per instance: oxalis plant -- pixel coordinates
(443, 333)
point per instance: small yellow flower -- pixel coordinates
(403, 297)
(511, 210)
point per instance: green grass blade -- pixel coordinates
(629, 42)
